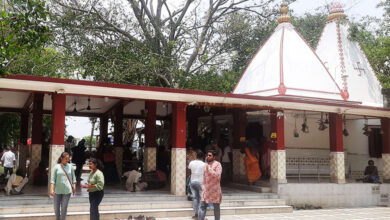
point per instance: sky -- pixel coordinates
(354, 9)
(80, 127)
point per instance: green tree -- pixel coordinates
(10, 129)
(310, 26)
(373, 36)
(23, 27)
(151, 42)
(42, 62)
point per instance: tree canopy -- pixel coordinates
(151, 42)
(22, 24)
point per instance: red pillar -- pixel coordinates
(103, 129)
(23, 148)
(37, 119)
(277, 130)
(57, 130)
(239, 120)
(118, 126)
(150, 124)
(178, 125)
(36, 141)
(178, 153)
(58, 119)
(336, 132)
(385, 124)
(24, 128)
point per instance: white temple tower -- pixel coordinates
(347, 62)
(286, 66)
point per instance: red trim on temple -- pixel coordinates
(282, 87)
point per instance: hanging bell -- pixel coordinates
(322, 126)
(345, 132)
(296, 134)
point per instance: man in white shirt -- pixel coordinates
(8, 161)
(197, 169)
(226, 160)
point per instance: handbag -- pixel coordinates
(67, 174)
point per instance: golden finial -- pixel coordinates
(336, 11)
(284, 17)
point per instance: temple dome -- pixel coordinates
(285, 65)
(346, 61)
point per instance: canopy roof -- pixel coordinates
(16, 92)
(285, 65)
(346, 62)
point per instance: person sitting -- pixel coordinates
(133, 183)
(371, 173)
(40, 175)
(15, 183)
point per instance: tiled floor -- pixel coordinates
(319, 214)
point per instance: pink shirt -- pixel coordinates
(211, 188)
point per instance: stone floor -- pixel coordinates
(319, 214)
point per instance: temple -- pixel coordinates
(321, 113)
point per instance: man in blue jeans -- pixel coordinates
(211, 186)
(197, 169)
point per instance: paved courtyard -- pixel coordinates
(319, 214)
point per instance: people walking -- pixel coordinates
(78, 158)
(197, 170)
(62, 184)
(8, 161)
(95, 187)
(211, 188)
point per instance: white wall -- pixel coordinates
(314, 143)
(335, 195)
(356, 146)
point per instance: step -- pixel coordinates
(253, 188)
(33, 200)
(107, 206)
(158, 213)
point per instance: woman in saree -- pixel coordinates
(252, 161)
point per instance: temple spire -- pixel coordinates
(284, 17)
(336, 11)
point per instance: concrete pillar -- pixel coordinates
(150, 155)
(118, 137)
(36, 141)
(278, 152)
(337, 162)
(178, 161)
(239, 121)
(57, 131)
(385, 123)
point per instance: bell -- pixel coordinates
(322, 126)
(305, 128)
(296, 134)
(345, 132)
